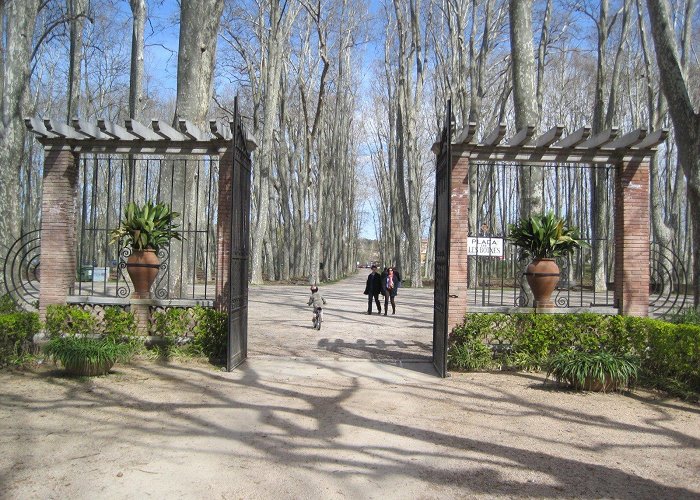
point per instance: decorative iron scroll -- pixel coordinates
(668, 281)
(161, 288)
(21, 270)
(123, 290)
(562, 297)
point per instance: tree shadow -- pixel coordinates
(307, 424)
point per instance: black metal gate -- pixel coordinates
(442, 246)
(237, 350)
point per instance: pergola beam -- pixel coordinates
(496, 135)
(574, 139)
(549, 137)
(166, 131)
(140, 131)
(653, 140)
(522, 136)
(467, 134)
(598, 140)
(627, 140)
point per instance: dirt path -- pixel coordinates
(280, 323)
(309, 416)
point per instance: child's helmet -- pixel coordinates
(314, 288)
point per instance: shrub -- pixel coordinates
(7, 305)
(87, 356)
(668, 354)
(69, 320)
(469, 352)
(210, 333)
(17, 330)
(600, 370)
(690, 316)
(171, 323)
(119, 324)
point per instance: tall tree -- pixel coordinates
(77, 12)
(18, 18)
(199, 31)
(686, 121)
(525, 98)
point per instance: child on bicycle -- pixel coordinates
(317, 301)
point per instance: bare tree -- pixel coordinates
(686, 121)
(525, 98)
(199, 30)
(18, 19)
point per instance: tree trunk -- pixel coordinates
(199, 29)
(77, 10)
(19, 19)
(686, 121)
(525, 99)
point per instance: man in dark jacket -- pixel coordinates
(373, 289)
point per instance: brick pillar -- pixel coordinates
(223, 228)
(58, 227)
(459, 230)
(632, 226)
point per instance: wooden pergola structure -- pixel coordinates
(63, 144)
(630, 154)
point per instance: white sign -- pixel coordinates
(100, 274)
(485, 247)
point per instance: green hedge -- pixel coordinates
(16, 332)
(669, 354)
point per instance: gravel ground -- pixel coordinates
(314, 415)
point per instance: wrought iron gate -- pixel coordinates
(21, 270)
(237, 350)
(442, 246)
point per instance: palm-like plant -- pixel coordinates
(593, 371)
(544, 236)
(147, 227)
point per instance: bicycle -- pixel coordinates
(318, 317)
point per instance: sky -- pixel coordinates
(162, 38)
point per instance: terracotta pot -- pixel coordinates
(143, 267)
(597, 385)
(542, 276)
(89, 368)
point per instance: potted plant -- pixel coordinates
(86, 356)
(544, 238)
(146, 229)
(593, 371)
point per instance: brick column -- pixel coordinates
(632, 226)
(58, 227)
(459, 230)
(223, 228)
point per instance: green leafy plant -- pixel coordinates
(119, 324)
(467, 350)
(86, 356)
(172, 323)
(544, 236)
(210, 334)
(7, 305)
(689, 316)
(669, 354)
(600, 370)
(69, 320)
(147, 227)
(17, 330)
(470, 356)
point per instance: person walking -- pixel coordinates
(390, 286)
(373, 289)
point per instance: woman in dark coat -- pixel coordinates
(391, 281)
